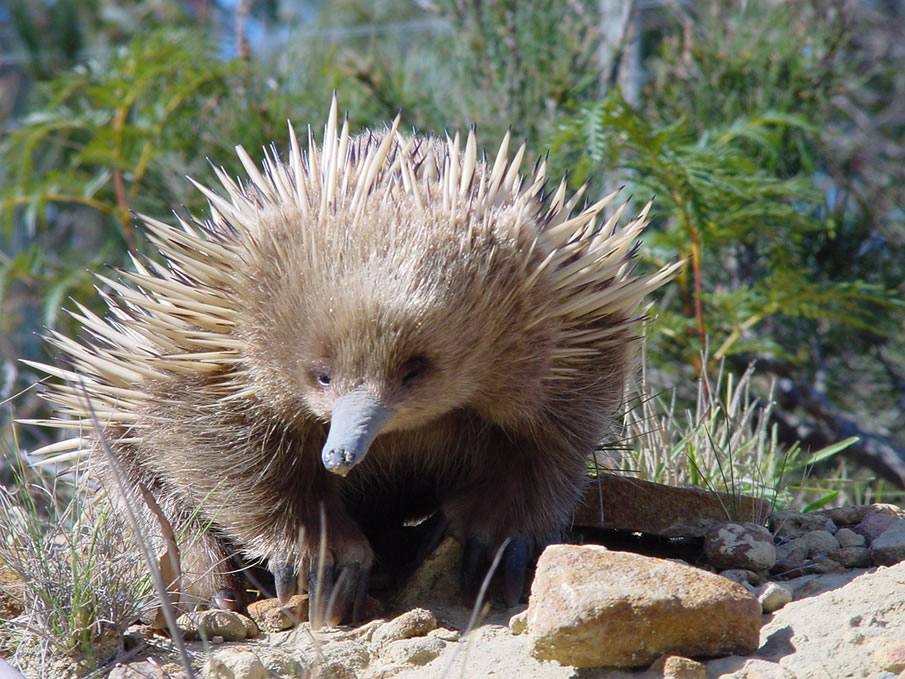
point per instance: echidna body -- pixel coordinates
(383, 327)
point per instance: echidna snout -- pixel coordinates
(357, 419)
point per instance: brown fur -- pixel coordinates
(495, 429)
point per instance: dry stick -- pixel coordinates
(169, 613)
(174, 572)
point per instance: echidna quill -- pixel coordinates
(382, 327)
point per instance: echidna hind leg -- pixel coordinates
(210, 575)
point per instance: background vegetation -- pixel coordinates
(771, 134)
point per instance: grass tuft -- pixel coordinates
(70, 584)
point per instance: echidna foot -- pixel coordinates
(512, 569)
(337, 591)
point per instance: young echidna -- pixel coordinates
(381, 328)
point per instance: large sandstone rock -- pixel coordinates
(591, 607)
(847, 630)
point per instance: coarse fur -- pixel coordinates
(496, 322)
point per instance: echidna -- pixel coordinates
(383, 327)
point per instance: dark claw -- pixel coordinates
(285, 581)
(343, 593)
(320, 585)
(227, 599)
(474, 567)
(515, 568)
(361, 596)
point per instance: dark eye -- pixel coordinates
(323, 379)
(413, 370)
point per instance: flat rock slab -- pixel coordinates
(591, 607)
(854, 629)
(624, 503)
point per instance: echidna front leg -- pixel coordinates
(522, 492)
(315, 540)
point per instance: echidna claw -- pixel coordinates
(320, 585)
(361, 596)
(285, 581)
(228, 599)
(515, 569)
(474, 568)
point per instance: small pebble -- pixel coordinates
(773, 596)
(518, 623)
(849, 538)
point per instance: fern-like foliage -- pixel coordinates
(743, 231)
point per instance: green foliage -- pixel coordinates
(743, 231)
(101, 134)
(496, 67)
(725, 442)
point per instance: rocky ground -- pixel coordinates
(818, 595)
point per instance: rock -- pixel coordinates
(415, 651)
(849, 538)
(643, 506)
(518, 623)
(445, 634)
(329, 648)
(849, 516)
(873, 525)
(856, 557)
(414, 623)
(213, 623)
(366, 631)
(749, 668)
(138, 670)
(742, 576)
(435, 580)
(773, 596)
(822, 542)
(583, 594)
(889, 547)
(823, 635)
(890, 655)
(795, 549)
(270, 616)
(243, 663)
(824, 564)
(385, 671)
(10, 604)
(793, 524)
(785, 570)
(739, 545)
(677, 667)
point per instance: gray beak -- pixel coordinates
(357, 419)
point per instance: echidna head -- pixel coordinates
(372, 338)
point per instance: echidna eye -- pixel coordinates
(323, 379)
(413, 370)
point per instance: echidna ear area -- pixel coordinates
(176, 318)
